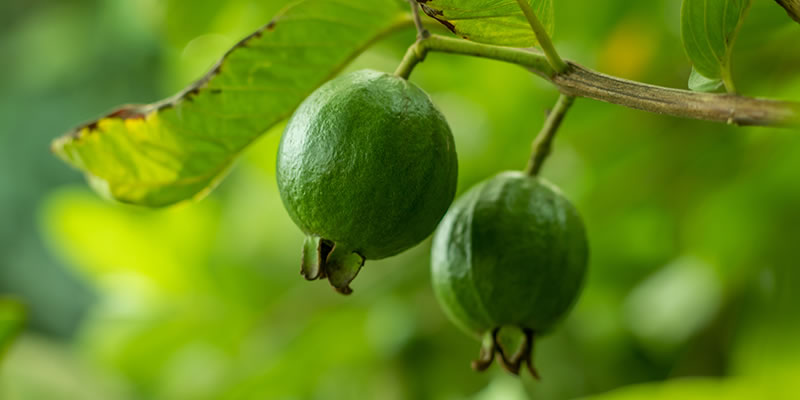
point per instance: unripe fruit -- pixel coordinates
(511, 252)
(366, 168)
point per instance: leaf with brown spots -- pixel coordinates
(499, 22)
(178, 149)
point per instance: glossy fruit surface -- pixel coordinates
(512, 251)
(366, 168)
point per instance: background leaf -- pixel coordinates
(12, 316)
(498, 22)
(708, 30)
(703, 389)
(700, 83)
(177, 149)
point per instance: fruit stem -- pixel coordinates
(414, 55)
(542, 37)
(543, 143)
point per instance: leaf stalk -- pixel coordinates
(544, 39)
(543, 143)
(422, 32)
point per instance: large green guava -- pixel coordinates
(366, 168)
(510, 254)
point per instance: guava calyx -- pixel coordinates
(511, 360)
(323, 258)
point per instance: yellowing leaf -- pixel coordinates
(179, 148)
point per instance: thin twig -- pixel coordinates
(422, 32)
(544, 140)
(578, 81)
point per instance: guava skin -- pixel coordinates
(512, 251)
(368, 165)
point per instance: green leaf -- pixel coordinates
(708, 30)
(700, 83)
(179, 148)
(499, 22)
(12, 316)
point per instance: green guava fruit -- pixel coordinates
(510, 255)
(366, 168)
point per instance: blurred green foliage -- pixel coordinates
(693, 226)
(12, 319)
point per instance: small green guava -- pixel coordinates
(509, 256)
(366, 168)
